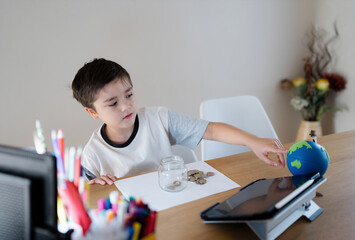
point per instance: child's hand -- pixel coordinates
(263, 146)
(104, 179)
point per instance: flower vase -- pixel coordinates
(305, 128)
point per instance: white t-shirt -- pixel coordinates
(156, 129)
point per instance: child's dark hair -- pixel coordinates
(93, 76)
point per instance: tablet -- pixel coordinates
(261, 199)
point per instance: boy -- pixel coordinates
(132, 141)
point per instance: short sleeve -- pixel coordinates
(185, 130)
(87, 174)
(87, 165)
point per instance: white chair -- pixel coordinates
(244, 112)
(186, 153)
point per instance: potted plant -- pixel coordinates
(309, 93)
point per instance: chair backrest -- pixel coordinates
(186, 153)
(244, 112)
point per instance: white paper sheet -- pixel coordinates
(147, 187)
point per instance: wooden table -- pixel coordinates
(336, 222)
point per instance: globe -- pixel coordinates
(307, 157)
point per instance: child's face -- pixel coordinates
(115, 105)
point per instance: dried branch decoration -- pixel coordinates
(320, 57)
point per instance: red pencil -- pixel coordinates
(60, 140)
(77, 166)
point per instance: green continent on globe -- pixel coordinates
(296, 164)
(323, 149)
(299, 145)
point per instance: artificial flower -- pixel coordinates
(299, 103)
(286, 85)
(322, 84)
(336, 82)
(298, 81)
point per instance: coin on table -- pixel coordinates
(198, 175)
(192, 179)
(201, 181)
(192, 172)
(209, 174)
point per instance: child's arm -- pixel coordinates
(104, 179)
(260, 146)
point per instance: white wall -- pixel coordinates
(178, 53)
(343, 13)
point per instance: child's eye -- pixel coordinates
(113, 104)
(129, 95)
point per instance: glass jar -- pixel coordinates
(172, 174)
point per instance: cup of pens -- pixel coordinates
(172, 174)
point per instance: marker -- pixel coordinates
(122, 211)
(77, 166)
(130, 233)
(113, 197)
(66, 162)
(60, 165)
(60, 140)
(114, 200)
(101, 204)
(107, 204)
(137, 229)
(71, 163)
(62, 216)
(81, 186)
(110, 215)
(150, 223)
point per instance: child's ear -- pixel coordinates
(92, 112)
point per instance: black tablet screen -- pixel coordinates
(257, 199)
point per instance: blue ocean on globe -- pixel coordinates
(307, 157)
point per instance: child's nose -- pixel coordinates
(125, 104)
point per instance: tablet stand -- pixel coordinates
(271, 228)
(303, 205)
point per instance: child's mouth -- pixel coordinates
(128, 116)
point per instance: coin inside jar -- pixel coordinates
(171, 187)
(176, 183)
